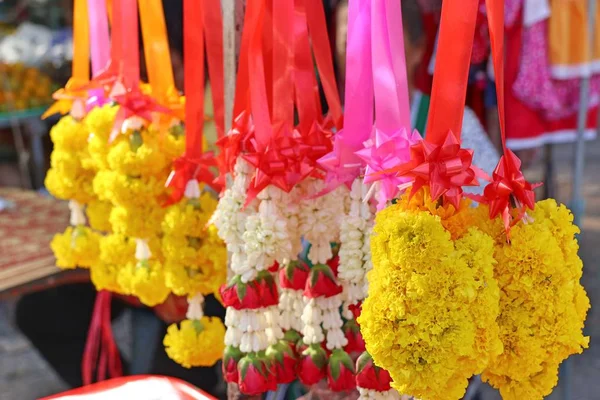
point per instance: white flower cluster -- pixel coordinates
(252, 330)
(266, 237)
(320, 219)
(366, 394)
(322, 315)
(291, 306)
(355, 252)
(230, 218)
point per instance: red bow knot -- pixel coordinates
(444, 168)
(509, 183)
(186, 168)
(135, 103)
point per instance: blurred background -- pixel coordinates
(35, 60)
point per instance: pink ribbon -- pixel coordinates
(99, 38)
(393, 138)
(342, 164)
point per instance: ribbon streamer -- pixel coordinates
(508, 181)
(99, 37)
(213, 35)
(453, 59)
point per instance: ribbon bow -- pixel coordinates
(508, 183)
(284, 163)
(341, 165)
(187, 168)
(238, 139)
(385, 152)
(134, 103)
(444, 168)
(67, 99)
(317, 143)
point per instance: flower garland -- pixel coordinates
(432, 296)
(542, 304)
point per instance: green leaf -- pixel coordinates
(292, 336)
(197, 326)
(363, 360)
(334, 366)
(314, 276)
(177, 130)
(328, 272)
(135, 141)
(289, 270)
(240, 289)
(194, 242)
(243, 365)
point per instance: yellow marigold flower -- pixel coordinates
(117, 249)
(99, 123)
(429, 318)
(127, 191)
(141, 221)
(145, 280)
(173, 144)
(190, 216)
(69, 135)
(184, 280)
(97, 213)
(140, 155)
(67, 186)
(542, 304)
(196, 343)
(76, 247)
(104, 277)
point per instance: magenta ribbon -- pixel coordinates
(99, 38)
(393, 137)
(342, 164)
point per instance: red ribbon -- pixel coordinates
(444, 168)
(101, 352)
(213, 31)
(508, 181)
(198, 19)
(132, 103)
(453, 59)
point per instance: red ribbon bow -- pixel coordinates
(508, 182)
(444, 168)
(134, 103)
(186, 168)
(283, 163)
(237, 140)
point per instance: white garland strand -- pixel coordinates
(366, 394)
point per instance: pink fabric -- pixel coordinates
(534, 86)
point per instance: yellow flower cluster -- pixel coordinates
(67, 177)
(542, 304)
(196, 343)
(196, 258)
(450, 297)
(430, 317)
(77, 246)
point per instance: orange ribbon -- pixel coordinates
(72, 94)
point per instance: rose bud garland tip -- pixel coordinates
(294, 275)
(340, 372)
(369, 376)
(311, 368)
(356, 343)
(283, 361)
(321, 282)
(355, 309)
(261, 292)
(254, 375)
(274, 268)
(231, 356)
(269, 295)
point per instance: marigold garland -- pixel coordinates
(542, 304)
(77, 246)
(430, 315)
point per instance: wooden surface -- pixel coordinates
(25, 234)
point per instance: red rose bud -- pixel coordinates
(311, 368)
(269, 295)
(355, 309)
(240, 295)
(231, 356)
(370, 376)
(334, 264)
(340, 372)
(254, 375)
(356, 344)
(283, 361)
(274, 268)
(321, 282)
(294, 275)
